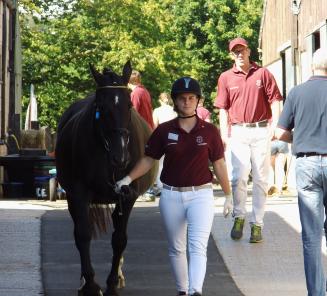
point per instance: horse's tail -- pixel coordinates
(100, 217)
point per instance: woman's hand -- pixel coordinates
(228, 205)
(123, 182)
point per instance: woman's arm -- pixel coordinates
(220, 170)
(140, 169)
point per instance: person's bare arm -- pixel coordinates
(220, 171)
(223, 124)
(140, 169)
(276, 108)
(284, 135)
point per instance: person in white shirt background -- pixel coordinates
(162, 114)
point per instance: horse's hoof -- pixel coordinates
(121, 283)
(111, 292)
(89, 289)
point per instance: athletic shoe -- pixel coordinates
(273, 191)
(237, 230)
(256, 236)
(147, 198)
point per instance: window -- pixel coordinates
(316, 40)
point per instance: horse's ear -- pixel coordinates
(96, 75)
(127, 71)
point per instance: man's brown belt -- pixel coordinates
(262, 123)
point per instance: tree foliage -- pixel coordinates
(164, 39)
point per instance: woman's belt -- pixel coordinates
(187, 188)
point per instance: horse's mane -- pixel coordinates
(140, 129)
(75, 108)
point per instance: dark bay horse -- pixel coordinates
(99, 140)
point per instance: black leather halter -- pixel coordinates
(122, 131)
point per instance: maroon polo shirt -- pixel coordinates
(186, 154)
(247, 97)
(141, 101)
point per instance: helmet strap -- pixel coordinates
(184, 117)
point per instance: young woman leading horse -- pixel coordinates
(187, 201)
(99, 140)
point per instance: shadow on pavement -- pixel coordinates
(146, 267)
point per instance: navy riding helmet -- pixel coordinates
(185, 85)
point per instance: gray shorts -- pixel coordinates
(278, 147)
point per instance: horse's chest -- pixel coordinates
(93, 168)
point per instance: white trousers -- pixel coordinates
(250, 148)
(187, 217)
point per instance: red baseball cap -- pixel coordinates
(237, 41)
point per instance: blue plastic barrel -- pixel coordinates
(42, 190)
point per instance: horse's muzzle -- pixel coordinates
(120, 162)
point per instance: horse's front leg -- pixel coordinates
(79, 210)
(121, 278)
(119, 242)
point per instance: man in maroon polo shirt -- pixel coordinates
(141, 98)
(249, 97)
(186, 202)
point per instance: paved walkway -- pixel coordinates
(274, 267)
(20, 249)
(146, 269)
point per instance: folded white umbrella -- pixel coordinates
(31, 113)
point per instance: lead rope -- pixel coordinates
(113, 177)
(120, 204)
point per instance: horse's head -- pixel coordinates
(112, 113)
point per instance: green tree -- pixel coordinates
(204, 27)
(164, 39)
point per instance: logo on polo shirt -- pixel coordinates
(233, 87)
(258, 83)
(199, 139)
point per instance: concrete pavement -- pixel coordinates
(20, 246)
(146, 269)
(20, 262)
(274, 267)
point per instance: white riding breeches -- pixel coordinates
(187, 217)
